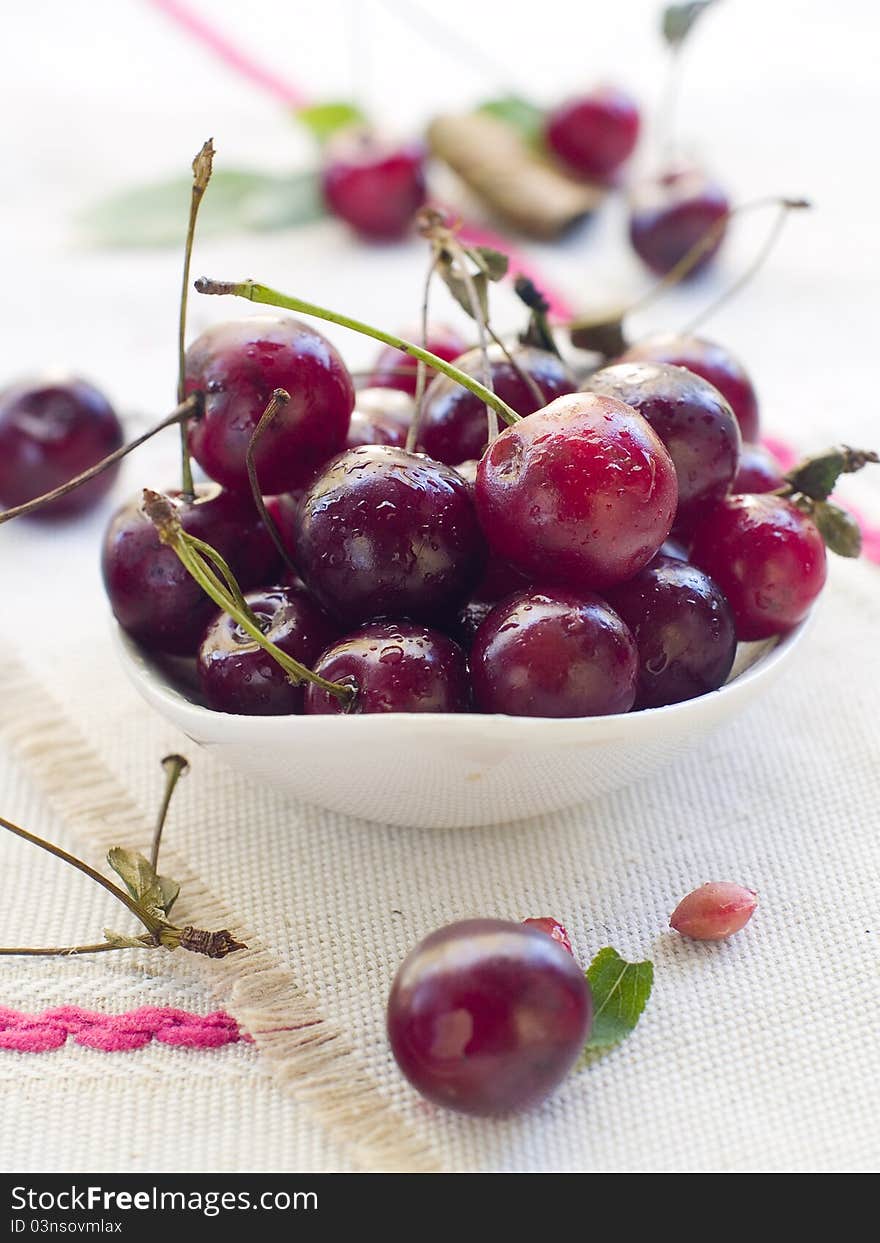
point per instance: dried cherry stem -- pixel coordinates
(190, 407)
(264, 294)
(161, 513)
(201, 167)
(277, 401)
(160, 933)
(175, 766)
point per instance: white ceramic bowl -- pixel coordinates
(446, 770)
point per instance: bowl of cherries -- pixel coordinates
(520, 594)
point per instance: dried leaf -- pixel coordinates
(494, 263)
(157, 894)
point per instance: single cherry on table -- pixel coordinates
(692, 419)
(51, 431)
(238, 365)
(488, 1017)
(710, 360)
(595, 133)
(393, 667)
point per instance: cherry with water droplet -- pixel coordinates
(395, 667)
(237, 366)
(554, 653)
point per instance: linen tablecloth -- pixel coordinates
(756, 1054)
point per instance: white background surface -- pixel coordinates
(780, 97)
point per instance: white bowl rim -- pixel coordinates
(200, 721)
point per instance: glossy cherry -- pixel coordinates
(669, 214)
(692, 419)
(152, 596)
(394, 369)
(375, 187)
(593, 134)
(395, 667)
(51, 431)
(683, 628)
(554, 653)
(237, 365)
(374, 429)
(713, 362)
(388, 403)
(453, 424)
(758, 471)
(237, 675)
(488, 1017)
(383, 532)
(767, 557)
(553, 928)
(583, 492)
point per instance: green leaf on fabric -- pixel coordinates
(517, 112)
(323, 120)
(237, 201)
(620, 993)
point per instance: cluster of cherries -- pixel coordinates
(604, 552)
(377, 187)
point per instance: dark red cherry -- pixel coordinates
(713, 362)
(282, 510)
(453, 427)
(691, 418)
(488, 1017)
(767, 557)
(554, 653)
(374, 186)
(683, 628)
(595, 133)
(581, 493)
(758, 471)
(388, 403)
(152, 596)
(51, 431)
(383, 532)
(395, 667)
(669, 214)
(237, 675)
(237, 366)
(553, 928)
(394, 369)
(374, 429)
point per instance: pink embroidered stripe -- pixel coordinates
(116, 1033)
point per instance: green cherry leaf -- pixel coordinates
(620, 993)
(157, 894)
(238, 201)
(817, 476)
(840, 531)
(517, 112)
(493, 263)
(678, 20)
(324, 120)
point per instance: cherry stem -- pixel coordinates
(192, 405)
(67, 951)
(784, 207)
(161, 513)
(277, 401)
(175, 766)
(150, 922)
(255, 292)
(214, 562)
(201, 167)
(412, 434)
